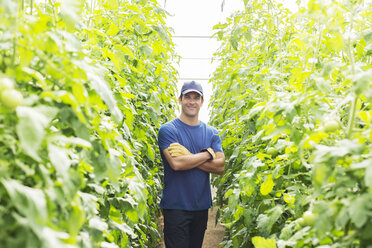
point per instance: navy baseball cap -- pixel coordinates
(192, 87)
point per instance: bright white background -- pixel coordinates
(192, 22)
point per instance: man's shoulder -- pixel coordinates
(170, 125)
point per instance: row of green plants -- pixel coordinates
(84, 85)
(292, 98)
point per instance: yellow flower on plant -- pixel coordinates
(290, 199)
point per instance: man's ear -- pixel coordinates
(179, 99)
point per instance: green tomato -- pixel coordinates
(272, 151)
(11, 98)
(117, 40)
(331, 126)
(300, 222)
(6, 83)
(309, 218)
(298, 226)
(107, 43)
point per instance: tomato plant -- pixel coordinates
(78, 159)
(309, 218)
(272, 151)
(331, 126)
(6, 83)
(282, 77)
(11, 98)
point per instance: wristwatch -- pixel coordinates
(210, 151)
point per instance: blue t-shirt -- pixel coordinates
(187, 189)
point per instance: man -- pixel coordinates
(190, 150)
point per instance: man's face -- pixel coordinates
(191, 104)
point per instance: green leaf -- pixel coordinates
(368, 177)
(31, 128)
(132, 215)
(266, 221)
(267, 186)
(324, 221)
(124, 203)
(29, 202)
(72, 43)
(101, 87)
(111, 4)
(336, 42)
(98, 223)
(9, 6)
(234, 43)
(113, 168)
(76, 219)
(150, 152)
(113, 29)
(260, 242)
(238, 212)
(70, 12)
(89, 203)
(248, 186)
(80, 129)
(362, 81)
(146, 50)
(108, 245)
(35, 74)
(342, 218)
(139, 193)
(368, 36)
(59, 158)
(320, 173)
(248, 35)
(126, 50)
(129, 118)
(52, 238)
(358, 210)
(125, 229)
(162, 33)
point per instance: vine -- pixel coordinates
(295, 176)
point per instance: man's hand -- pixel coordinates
(211, 152)
(215, 166)
(176, 150)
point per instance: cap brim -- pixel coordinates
(192, 90)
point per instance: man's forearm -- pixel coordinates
(187, 162)
(215, 166)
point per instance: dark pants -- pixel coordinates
(184, 229)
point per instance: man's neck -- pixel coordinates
(192, 121)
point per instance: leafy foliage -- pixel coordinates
(78, 160)
(292, 99)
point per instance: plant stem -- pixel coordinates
(14, 50)
(355, 100)
(352, 117)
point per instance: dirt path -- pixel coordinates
(214, 234)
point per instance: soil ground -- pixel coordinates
(214, 234)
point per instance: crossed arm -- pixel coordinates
(199, 160)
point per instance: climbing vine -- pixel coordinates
(84, 86)
(292, 99)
